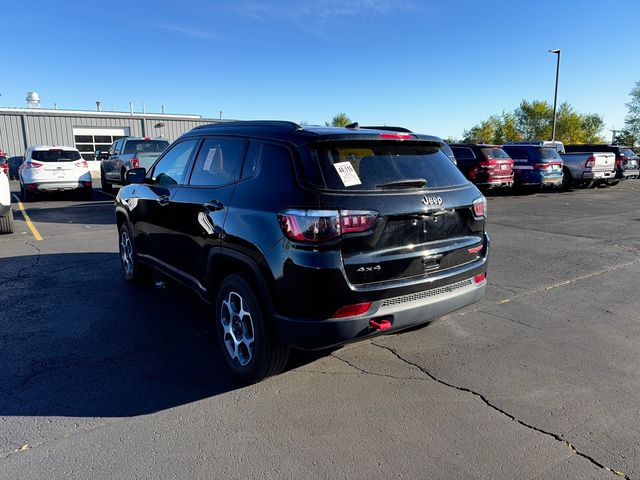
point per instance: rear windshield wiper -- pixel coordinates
(408, 183)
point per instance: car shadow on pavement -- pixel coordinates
(76, 340)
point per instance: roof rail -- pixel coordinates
(252, 123)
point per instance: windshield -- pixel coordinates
(383, 165)
(495, 152)
(549, 153)
(145, 146)
(55, 155)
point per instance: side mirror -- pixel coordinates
(136, 175)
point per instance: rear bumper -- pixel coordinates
(402, 312)
(60, 186)
(496, 183)
(598, 175)
(631, 174)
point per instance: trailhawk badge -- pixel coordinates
(431, 200)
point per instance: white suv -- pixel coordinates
(6, 214)
(54, 169)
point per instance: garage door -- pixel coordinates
(90, 139)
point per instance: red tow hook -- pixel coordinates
(380, 324)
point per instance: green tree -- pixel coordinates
(534, 120)
(626, 138)
(632, 120)
(340, 120)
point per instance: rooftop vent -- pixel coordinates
(33, 100)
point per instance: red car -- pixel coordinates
(487, 166)
(4, 162)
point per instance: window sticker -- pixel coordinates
(347, 174)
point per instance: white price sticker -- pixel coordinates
(347, 174)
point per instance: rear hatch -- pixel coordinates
(629, 159)
(57, 163)
(549, 162)
(409, 209)
(498, 165)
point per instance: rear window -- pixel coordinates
(55, 155)
(494, 152)
(627, 152)
(548, 153)
(145, 146)
(385, 166)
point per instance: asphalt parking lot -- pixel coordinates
(99, 379)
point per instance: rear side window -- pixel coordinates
(54, 155)
(375, 165)
(218, 162)
(463, 153)
(145, 146)
(494, 153)
(549, 153)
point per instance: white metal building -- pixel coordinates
(86, 130)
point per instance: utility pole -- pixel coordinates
(555, 96)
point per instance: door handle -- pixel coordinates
(213, 205)
(163, 200)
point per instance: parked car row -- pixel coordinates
(538, 164)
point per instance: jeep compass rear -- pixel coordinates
(308, 237)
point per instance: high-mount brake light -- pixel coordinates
(146, 139)
(396, 136)
(591, 162)
(325, 225)
(480, 207)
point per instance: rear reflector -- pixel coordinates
(352, 310)
(480, 278)
(31, 186)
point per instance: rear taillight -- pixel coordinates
(480, 207)
(590, 163)
(490, 164)
(32, 164)
(324, 225)
(542, 166)
(81, 164)
(135, 162)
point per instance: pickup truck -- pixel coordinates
(587, 169)
(126, 153)
(626, 159)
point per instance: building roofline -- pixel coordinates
(102, 113)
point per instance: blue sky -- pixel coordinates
(433, 66)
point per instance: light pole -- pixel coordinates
(555, 96)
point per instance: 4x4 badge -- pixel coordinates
(431, 200)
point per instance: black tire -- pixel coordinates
(567, 180)
(264, 355)
(106, 186)
(87, 194)
(6, 223)
(134, 271)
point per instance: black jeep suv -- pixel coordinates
(306, 237)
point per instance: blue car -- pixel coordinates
(535, 165)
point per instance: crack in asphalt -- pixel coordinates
(34, 264)
(494, 407)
